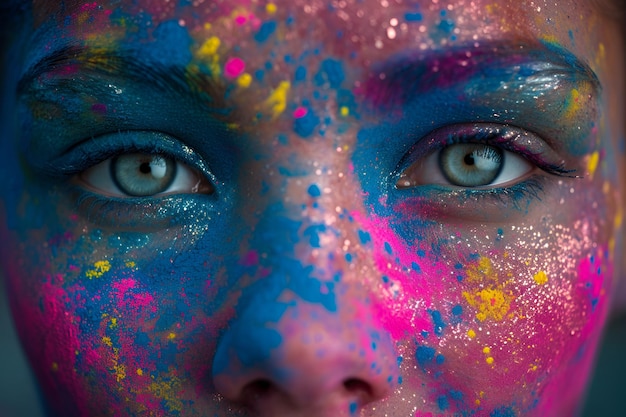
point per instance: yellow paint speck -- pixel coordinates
(541, 278)
(489, 360)
(486, 350)
(592, 163)
(278, 99)
(344, 111)
(99, 269)
(130, 264)
(171, 336)
(107, 341)
(113, 323)
(139, 371)
(573, 103)
(271, 8)
(209, 47)
(471, 333)
(492, 303)
(120, 372)
(244, 80)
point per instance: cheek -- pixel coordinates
(102, 312)
(474, 308)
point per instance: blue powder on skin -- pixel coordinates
(503, 412)
(424, 356)
(300, 74)
(265, 31)
(413, 17)
(305, 126)
(314, 190)
(171, 45)
(438, 322)
(330, 71)
(364, 237)
(443, 403)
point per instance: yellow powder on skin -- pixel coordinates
(540, 278)
(99, 269)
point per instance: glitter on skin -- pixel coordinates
(306, 239)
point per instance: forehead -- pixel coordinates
(373, 23)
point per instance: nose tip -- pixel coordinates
(317, 368)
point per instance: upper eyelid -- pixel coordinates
(426, 146)
(153, 143)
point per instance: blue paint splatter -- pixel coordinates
(314, 190)
(364, 237)
(265, 31)
(413, 17)
(305, 126)
(331, 71)
(424, 356)
(443, 403)
(438, 322)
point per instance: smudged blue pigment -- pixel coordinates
(443, 403)
(413, 17)
(503, 412)
(330, 71)
(170, 46)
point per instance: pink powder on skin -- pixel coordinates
(234, 67)
(300, 112)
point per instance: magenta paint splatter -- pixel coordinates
(300, 112)
(234, 67)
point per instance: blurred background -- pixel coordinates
(18, 397)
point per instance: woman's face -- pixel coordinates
(312, 208)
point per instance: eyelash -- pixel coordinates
(530, 189)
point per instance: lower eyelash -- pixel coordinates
(440, 202)
(519, 195)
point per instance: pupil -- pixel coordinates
(469, 159)
(145, 168)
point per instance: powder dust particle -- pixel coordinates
(99, 269)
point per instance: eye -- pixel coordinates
(469, 165)
(144, 175)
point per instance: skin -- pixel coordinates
(315, 262)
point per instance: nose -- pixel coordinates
(312, 362)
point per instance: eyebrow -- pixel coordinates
(397, 80)
(206, 89)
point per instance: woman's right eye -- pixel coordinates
(143, 175)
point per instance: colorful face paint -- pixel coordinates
(300, 208)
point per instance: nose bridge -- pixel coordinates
(304, 323)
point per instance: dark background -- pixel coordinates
(18, 397)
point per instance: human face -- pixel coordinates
(310, 208)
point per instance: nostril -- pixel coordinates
(358, 387)
(257, 390)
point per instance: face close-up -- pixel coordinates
(311, 207)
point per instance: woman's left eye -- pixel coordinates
(470, 165)
(143, 175)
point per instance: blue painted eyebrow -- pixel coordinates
(397, 80)
(131, 66)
